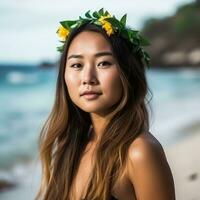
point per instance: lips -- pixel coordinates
(90, 93)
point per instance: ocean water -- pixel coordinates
(26, 98)
(175, 103)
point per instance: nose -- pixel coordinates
(89, 76)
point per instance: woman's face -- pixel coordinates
(91, 66)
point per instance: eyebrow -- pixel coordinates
(104, 53)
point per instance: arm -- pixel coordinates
(149, 171)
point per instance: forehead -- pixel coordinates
(89, 42)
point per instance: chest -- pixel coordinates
(81, 180)
(122, 189)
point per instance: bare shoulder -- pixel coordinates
(148, 169)
(145, 146)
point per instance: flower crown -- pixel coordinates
(111, 25)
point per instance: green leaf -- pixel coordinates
(62, 41)
(87, 14)
(101, 11)
(123, 19)
(79, 23)
(136, 48)
(147, 55)
(60, 48)
(95, 14)
(107, 13)
(82, 19)
(144, 41)
(124, 33)
(147, 59)
(133, 37)
(68, 24)
(133, 33)
(97, 23)
(65, 25)
(74, 25)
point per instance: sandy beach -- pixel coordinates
(183, 157)
(27, 184)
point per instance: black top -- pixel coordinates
(113, 198)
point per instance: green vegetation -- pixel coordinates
(175, 40)
(186, 21)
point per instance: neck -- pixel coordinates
(98, 125)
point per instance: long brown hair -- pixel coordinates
(65, 133)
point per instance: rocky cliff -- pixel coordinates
(175, 40)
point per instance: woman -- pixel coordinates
(95, 144)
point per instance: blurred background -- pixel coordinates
(28, 70)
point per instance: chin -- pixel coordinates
(94, 107)
(90, 110)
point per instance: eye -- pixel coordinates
(104, 63)
(76, 65)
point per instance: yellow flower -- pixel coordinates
(108, 28)
(106, 25)
(63, 33)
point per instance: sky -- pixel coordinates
(28, 27)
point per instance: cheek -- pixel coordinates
(112, 85)
(72, 85)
